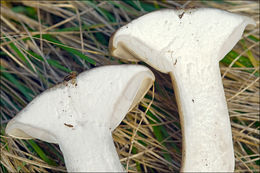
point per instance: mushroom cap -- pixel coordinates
(101, 96)
(159, 38)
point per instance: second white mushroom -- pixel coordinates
(188, 44)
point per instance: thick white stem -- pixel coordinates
(207, 137)
(97, 155)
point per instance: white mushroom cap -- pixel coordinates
(159, 37)
(100, 96)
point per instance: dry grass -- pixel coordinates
(149, 138)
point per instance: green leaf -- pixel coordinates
(20, 55)
(100, 37)
(108, 15)
(138, 165)
(96, 8)
(149, 7)
(52, 62)
(24, 90)
(41, 154)
(29, 11)
(132, 4)
(115, 3)
(159, 135)
(250, 55)
(241, 62)
(253, 38)
(68, 49)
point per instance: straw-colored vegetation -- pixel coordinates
(43, 41)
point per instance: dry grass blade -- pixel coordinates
(43, 41)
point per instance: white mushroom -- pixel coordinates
(80, 115)
(188, 44)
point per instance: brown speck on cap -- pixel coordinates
(68, 125)
(175, 62)
(181, 15)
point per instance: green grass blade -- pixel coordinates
(138, 165)
(52, 62)
(20, 55)
(157, 130)
(24, 90)
(68, 49)
(40, 152)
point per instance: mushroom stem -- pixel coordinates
(204, 118)
(99, 146)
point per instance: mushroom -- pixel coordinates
(188, 45)
(81, 113)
